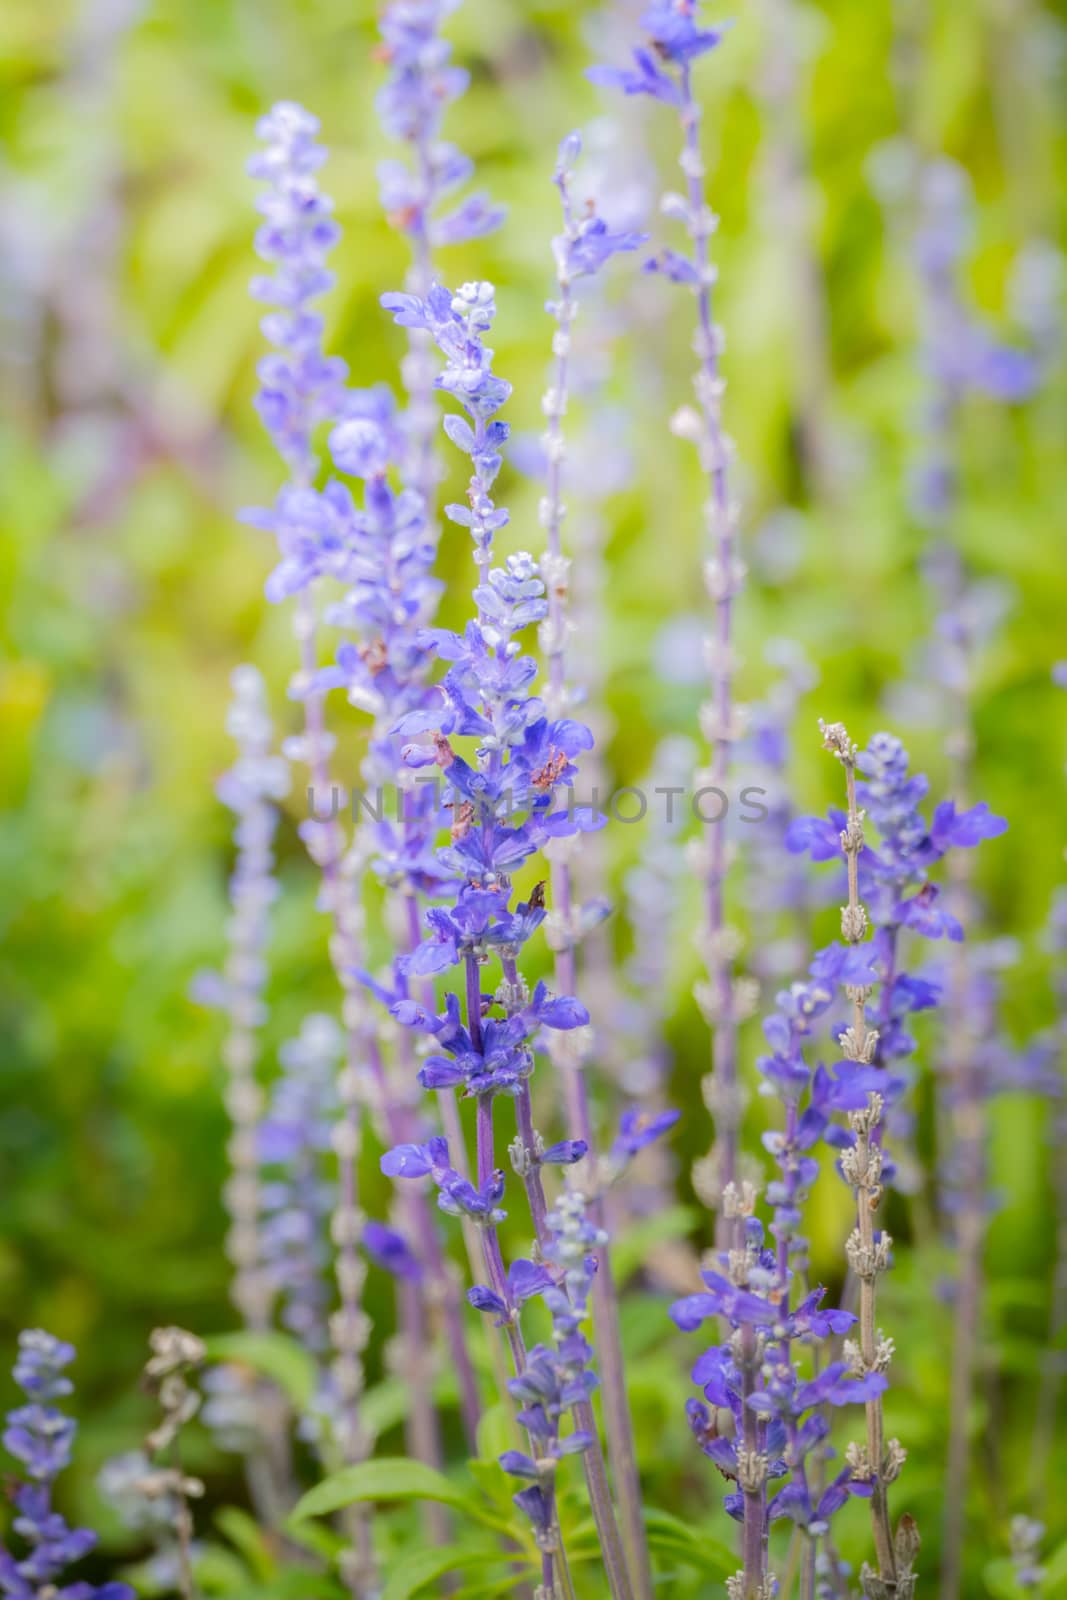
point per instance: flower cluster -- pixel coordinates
(299, 385)
(503, 807)
(896, 887)
(557, 1379)
(779, 1415)
(422, 82)
(41, 1438)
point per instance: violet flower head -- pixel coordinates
(388, 563)
(41, 1439)
(677, 38)
(556, 1378)
(422, 83)
(774, 1409)
(895, 884)
(299, 385)
(587, 243)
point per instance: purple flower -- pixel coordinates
(417, 1160)
(299, 386)
(40, 1437)
(638, 1129)
(565, 1153)
(676, 34)
(676, 37)
(524, 1280)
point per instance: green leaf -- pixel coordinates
(669, 1535)
(246, 1536)
(1054, 1583)
(392, 1478)
(274, 1355)
(420, 1567)
(999, 1579)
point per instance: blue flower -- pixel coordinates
(639, 1128)
(40, 1437)
(300, 386)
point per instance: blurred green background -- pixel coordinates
(129, 593)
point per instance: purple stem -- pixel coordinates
(494, 1261)
(754, 1509)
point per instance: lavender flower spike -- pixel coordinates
(665, 72)
(422, 82)
(868, 1250)
(503, 813)
(300, 387)
(41, 1438)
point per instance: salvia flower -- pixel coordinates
(895, 884)
(504, 810)
(557, 1379)
(41, 1438)
(422, 82)
(299, 385)
(302, 388)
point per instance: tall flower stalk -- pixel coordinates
(868, 1248)
(584, 246)
(315, 535)
(501, 817)
(422, 82)
(300, 388)
(251, 790)
(890, 889)
(665, 72)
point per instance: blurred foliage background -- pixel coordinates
(129, 592)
